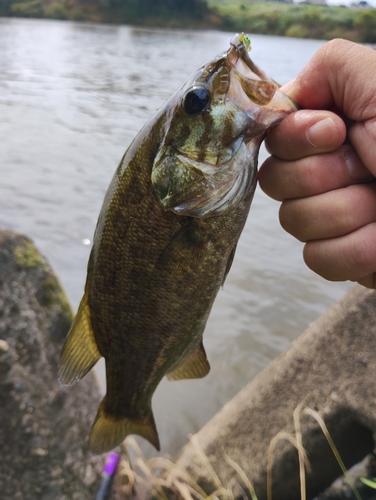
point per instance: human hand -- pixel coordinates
(327, 186)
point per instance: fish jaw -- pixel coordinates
(256, 85)
(212, 168)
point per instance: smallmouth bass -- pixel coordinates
(165, 240)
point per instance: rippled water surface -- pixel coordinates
(72, 97)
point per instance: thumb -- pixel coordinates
(340, 74)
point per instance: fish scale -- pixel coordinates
(165, 240)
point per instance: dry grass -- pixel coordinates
(163, 479)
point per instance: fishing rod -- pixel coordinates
(107, 477)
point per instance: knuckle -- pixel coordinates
(291, 220)
(311, 259)
(361, 258)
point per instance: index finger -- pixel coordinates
(305, 133)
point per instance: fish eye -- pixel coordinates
(196, 100)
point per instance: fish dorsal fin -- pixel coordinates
(80, 351)
(195, 366)
(109, 431)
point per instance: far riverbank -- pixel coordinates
(301, 20)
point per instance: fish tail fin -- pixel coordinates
(109, 431)
(80, 351)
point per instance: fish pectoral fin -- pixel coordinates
(186, 245)
(229, 264)
(195, 366)
(109, 431)
(80, 351)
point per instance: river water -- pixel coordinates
(72, 97)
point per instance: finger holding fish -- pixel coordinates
(326, 184)
(306, 132)
(330, 214)
(312, 175)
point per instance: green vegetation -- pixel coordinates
(369, 482)
(251, 16)
(365, 22)
(28, 256)
(152, 12)
(163, 10)
(296, 20)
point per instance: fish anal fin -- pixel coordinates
(109, 431)
(80, 351)
(195, 366)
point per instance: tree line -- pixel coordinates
(121, 11)
(251, 16)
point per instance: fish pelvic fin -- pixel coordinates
(80, 351)
(195, 366)
(109, 431)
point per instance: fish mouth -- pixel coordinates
(238, 46)
(253, 90)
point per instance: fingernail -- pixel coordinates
(355, 168)
(323, 133)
